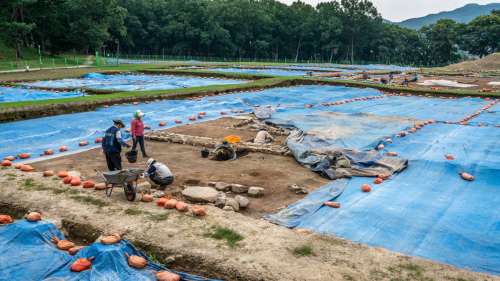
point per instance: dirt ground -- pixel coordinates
(274, 173)
(481, 82)
(488, 63)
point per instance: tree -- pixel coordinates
(13, 25)
(482, 35)
(442, 38)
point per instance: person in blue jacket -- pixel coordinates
(112, 145)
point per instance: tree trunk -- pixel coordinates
(298, 50)
(352, 50)
(331, 56)
(19, 54)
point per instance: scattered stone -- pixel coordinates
(242, 201)
(75, 174)
(298, 189)
(228, 208)
(203, 194)
(158, 194)
(231, 202)
(222, 186)
(238, 188)
(255, 191)
(212, 183)
(144, 186)
(221, 200)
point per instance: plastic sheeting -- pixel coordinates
(264, 71)
(14, 94)
(446, 83)
(28, 254)
(36, 135)
(132, 82)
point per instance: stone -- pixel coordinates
(144, 186)
(202, 194)
(75, 174)
(158, 194)
(222, 186)
(231, 202)
(242, 201)
(228, 208)
(212, 183)
(255, 191)
(238, 188)
(298, 189)
(220, 202)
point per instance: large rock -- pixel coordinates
(221, 200)
(255, 191)
(231, 202)
(238, 188)
(202, 194)
(222, 186)
(242, 201)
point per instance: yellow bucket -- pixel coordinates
(232, 139)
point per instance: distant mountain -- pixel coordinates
(464, 15)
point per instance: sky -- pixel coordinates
(398, 10)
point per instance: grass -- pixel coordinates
(303, 251)
(133, 212)
(158, 217)
(232, 237)
(89, 200)
(408, 272)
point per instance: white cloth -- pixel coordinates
(263, 137)
(162, 170)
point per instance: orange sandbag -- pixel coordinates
(147, 198)
(178, 122)
(24, 155)
(391, 153)
(181, 206)
(467, 176)
(6, 163)
(83, 143)
(378, 181)
(5, 219)
(199, 211)
(449, 157)
(81, 264)
(383, 176)
(137, 262)
(192, 118)
(100, 186)
(72, 251)
(161, 202)
(63, 148)
(18, 166)
(366, 188)
(10, 158)
(170, 204)
(48, 173)
(76, 181)
(111, 239)
(162, 124)
(330, 204)
(98, 140)
(48, 152)
(62, 174)
(167, 276)
(64, 245)
(88, 184)
(33, 216)
(67, 180)
(27, 168)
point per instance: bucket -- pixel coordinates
(131, 156)
(205, 153)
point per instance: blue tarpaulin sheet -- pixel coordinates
(426, 210)
(29, 254)
(132, 82)
(13, 94)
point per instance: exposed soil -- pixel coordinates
(481, 82)
(488, 63)
(274, 173)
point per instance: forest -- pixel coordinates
(335, 31)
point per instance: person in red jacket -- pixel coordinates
(137, 130)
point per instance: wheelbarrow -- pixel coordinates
(124, 178)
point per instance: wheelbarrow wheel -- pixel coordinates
(109, 189)
(129, 191)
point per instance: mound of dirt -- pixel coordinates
(488, 63)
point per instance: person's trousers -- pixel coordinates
(162, 183)
(114, 161)
(140, 140)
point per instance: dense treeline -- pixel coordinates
(341, 30)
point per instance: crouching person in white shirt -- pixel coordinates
(158, 174)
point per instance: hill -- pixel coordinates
(489, 63)
(464, 15)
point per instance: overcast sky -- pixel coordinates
(398, 10)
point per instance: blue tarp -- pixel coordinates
(28, 254)
(132, 82)
(13, 94)
(264, 71)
